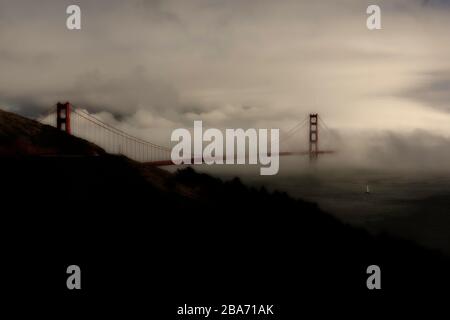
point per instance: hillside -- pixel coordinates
(22, 136)
(186, 235)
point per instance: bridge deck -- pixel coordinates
(286, 153)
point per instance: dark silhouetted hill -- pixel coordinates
(143, 236)
(22, 136)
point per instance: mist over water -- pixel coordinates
(412, 203)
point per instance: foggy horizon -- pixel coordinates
(148, 67)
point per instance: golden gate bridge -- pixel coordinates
(82, 124)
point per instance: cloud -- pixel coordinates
(436, 3)
(433, 90)
(152, 64)
(417, 151)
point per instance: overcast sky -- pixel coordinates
(151, 66)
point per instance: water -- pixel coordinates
(409, 204)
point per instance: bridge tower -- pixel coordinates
(63, 116)
(313, 136)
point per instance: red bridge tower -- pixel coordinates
(63, 116)
(313, 137)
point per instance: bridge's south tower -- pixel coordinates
(313, 136)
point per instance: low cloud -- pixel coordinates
(414, 151)
(153, 65)
(433, 90)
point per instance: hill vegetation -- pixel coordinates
(190, 234)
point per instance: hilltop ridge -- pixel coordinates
(23, 136)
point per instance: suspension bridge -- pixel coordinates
(82, 124)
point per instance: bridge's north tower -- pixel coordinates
(63, 116)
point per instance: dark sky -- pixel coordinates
(157, 65)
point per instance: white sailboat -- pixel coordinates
(367, 189)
